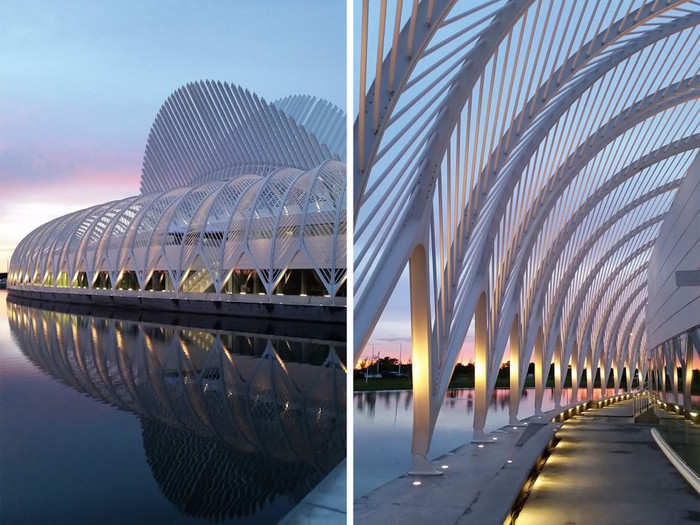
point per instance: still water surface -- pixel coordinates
(111, 421)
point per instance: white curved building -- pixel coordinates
(240, 203)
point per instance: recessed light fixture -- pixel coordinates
(509, 461)
(417, 483)
(444, 466)
(480, 445)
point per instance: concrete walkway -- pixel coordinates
(479, 485)
(325, 504)
(606, 469)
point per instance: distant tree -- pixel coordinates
(386, 364)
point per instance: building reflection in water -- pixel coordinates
(231, 422)
(463, 397)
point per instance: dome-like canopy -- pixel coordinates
(214, 130)
(320, 118)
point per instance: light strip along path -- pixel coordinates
(607, 469)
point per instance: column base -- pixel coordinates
(422, 467)
(480, 437)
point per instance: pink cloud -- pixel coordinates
(39, 186)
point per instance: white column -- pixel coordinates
(422, 363)
(590, 373)
(663, 377)
(688, 372)
(557, 373)
(574, 373)
(514, 342)
(480, 366)
(674, 370)
(539, 370)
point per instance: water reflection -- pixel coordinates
(233, 424)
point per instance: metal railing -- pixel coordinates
(640, 404)
(681, 466)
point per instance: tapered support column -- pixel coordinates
(673, 370)
(514, 342)
(422, 361)
(663, 381)
(616, 379)
(657, 378)
(688, 373)
(557, 373)
(480, 366)
(603, 378)
(574, 373)
(590, 374)
(539, 370)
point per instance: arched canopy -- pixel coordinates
(536, 145)
(273, 226)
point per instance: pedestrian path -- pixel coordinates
(606, 469)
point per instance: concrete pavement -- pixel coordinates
(606, 470)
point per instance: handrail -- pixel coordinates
(640, 404)
(681, 466)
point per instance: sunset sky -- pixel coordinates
(392, 335)
(80, 85)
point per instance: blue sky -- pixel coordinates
(81, 82)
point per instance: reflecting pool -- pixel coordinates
(382, 428)
(108, 420)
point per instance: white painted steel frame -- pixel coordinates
(290, 219)
(506, 196)
(214, 130)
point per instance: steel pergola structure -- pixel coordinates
(520, 157)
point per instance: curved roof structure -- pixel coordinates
(239, 199)
(520, 155)
(214, 130)
(319, 117)
(200, 238)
